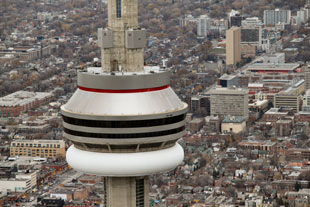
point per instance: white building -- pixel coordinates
(251, 22)
(32, 176)
(277, 58)
(63, 196)
(307, 8)
(307, 76)
(296, 20)
(188, 20)
(233, 124)
(204, 26)
(266, 44)
(44, 16)
(303, 15)
(273, 17)
(306, 101)
(15, 185)
(233, 13)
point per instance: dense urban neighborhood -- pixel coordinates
(241, 66)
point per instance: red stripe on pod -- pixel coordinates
(141, 90)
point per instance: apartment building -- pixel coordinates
(277, 16)
(229, 101)
(291, 97)
(20, 101)
(38, 148)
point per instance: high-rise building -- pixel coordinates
(303, 14)
(307, 77)
(251, 35)
(307, 10)
(234, 19)
(306, 101)
(200, 104)
(229, 101)
(273, 17)
(124, 120)
(233, 51)
(204, 26)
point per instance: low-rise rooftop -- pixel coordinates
(233, 119)
(20, 98)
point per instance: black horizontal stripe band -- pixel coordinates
(124, 136)
(123, 124)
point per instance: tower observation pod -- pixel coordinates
(124, 120)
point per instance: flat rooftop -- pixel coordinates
(258, 103)
(147, 70)
(233, 119)
(23, 160)
(276, 111)
(257, 142)
(39, 141)
(255, 85)
(273, 67)
(231, 90)
(227, 77)
(274, 55)
(20, 98)
(290, 49)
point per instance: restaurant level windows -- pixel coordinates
(124, 124)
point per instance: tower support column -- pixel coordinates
(127, 191)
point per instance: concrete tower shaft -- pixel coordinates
(122, 42)
(122, 14)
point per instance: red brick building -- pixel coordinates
(21, 101)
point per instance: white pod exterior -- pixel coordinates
(125, 164)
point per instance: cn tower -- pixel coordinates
(124, 120)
